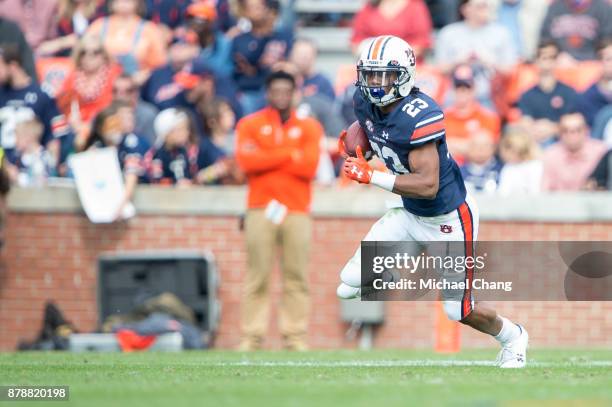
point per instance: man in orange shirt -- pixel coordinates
(466, 116)
(279, 152)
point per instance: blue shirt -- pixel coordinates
(538, 104)
(170, 166)
(132, 151)
(592, 101)
(163, 92)
(216, 57)
(318, 85)
(508, 16)
(170, 13)
(261, 53)
(482, 177)
(416, 120)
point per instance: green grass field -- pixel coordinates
(329, 378)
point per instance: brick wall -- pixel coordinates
(53, 256)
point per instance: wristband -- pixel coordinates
(384, 180)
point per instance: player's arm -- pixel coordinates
(424, 179)
(422, 182)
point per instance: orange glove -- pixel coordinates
(341, 145)
(358, 168)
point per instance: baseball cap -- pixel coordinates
(190, 77)
(203, 10)
(165, 122)
(463, 75)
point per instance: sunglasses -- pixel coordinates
(94, 52)
(567, 130)
(131, 89)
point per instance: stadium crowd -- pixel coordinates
(526, 85)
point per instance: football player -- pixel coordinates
(405, 128)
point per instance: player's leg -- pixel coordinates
(513, 338)
(393, 226)
(255, 307)
(294, 308)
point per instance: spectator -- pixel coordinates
(74, 17)
(279, 171)
(36, 18)
(107, 131)
(406, 19)
(255, 52)
(478, 41)
(322, 109)
(33, 164)
(168, 13)
(466, 116)
(315, 105)
(21, 97)
(10, 33)
(602, 127)
(89, 88)
(568, 164)
(601, 178)
(5, 187)
(523, 19)
(577, 26)
(304, 57)
(522, 170)
(443, 12)
(226, 19)
(137, 44)
(125, 90)
(219, 121)
(162, 89)
(213, 48)
(599, 94)
(543, 105)
(178, 156)
(183, 84)
(481, 168)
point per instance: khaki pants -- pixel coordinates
(263, 237)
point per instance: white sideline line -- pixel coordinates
(405, 363)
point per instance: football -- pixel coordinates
(355, 136)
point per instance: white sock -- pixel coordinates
(509, 331)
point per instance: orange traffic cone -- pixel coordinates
(448, 335)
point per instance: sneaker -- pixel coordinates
(514, 354)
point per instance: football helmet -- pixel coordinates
(386, 70)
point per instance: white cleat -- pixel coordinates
(346, 292)
(514, 354)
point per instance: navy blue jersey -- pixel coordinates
(19, 104)
(131, 152)
(538, 104)
(416, 119)
(163, 92)
(167, 166)
(170, 13)
(318, 84)
(254, 56)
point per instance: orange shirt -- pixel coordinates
(150, 50)
(460, 125)
(279, 159)
(88, 107)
